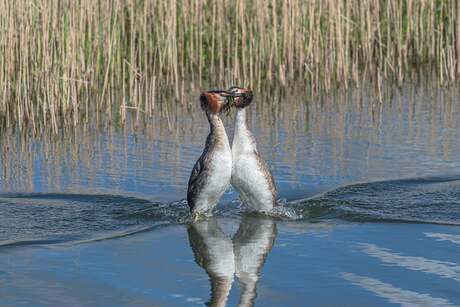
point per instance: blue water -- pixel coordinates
(371, 196)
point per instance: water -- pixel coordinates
(371, 216)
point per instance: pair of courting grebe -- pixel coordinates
(221, 165)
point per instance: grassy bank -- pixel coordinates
(61, 61)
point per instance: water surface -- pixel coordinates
(371, 195)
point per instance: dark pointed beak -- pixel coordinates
(227, 94)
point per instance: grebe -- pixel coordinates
(250, 174)
(211, 174)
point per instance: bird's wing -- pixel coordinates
(197, 177)
(266, 170)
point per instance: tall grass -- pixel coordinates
(65, 60)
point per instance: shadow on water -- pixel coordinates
(54, 218)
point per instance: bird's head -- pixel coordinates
(242, 96)
(215, 101)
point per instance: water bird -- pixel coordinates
(211, 174)
(250, 173)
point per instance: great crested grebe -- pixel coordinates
(211, 174)
(250, 174)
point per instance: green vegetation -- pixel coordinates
(62, 60)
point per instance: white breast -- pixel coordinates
(218, 181)
(250, 181)
(247, 176)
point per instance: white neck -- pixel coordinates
(240, 120)
(243, 141)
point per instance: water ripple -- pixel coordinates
(39, 218)
(394, 294)
(441, 268)
(444, 237)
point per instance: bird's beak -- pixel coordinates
(226, 94)
(229, 101)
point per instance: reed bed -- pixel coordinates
(67, 61)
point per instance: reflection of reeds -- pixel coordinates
(62, 60)
(345, 138)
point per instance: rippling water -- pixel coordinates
(370, 194)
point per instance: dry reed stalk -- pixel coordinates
(65, 60)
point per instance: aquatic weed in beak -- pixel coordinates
(229, 102)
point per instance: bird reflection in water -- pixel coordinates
(223, 257)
